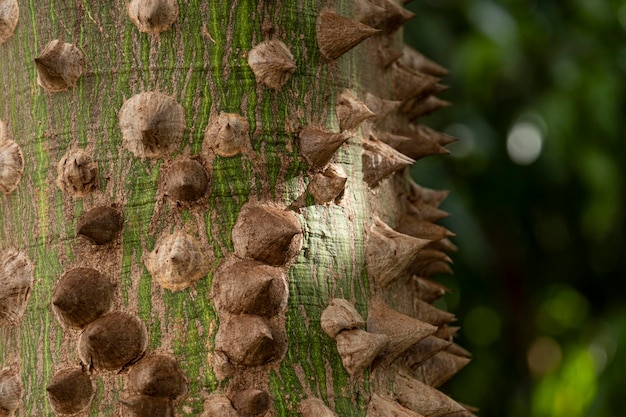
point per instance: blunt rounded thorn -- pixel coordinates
(82, 295)
(11, 162)
(314, 407)
(336, 34)
(59, 66)
(251, 402)
(440, 368)
(70, 391)
(317, 147)
(185, 180)
(146, 406)
(380, 160)
(267, 234)
(358, 348)
(113, 341)
(16, 281)
(11, 391)
(250, 287)
(152, 124)
(417, 61)
(248, 340)
(329, 185)
(9, 15)
(101, 224)
(351, 111)
(153, 16)
(272, 63)
(379, 406)
(77, 173)
(424, 350)
(403, 331)
(226, 135)
(219, 406)
(389, 254)
(178, 261)
(423, 399)
(158, 376)
(340, 315)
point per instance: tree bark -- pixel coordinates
(182, 211)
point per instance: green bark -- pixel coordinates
(201, 62)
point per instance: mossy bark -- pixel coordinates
(202, 63)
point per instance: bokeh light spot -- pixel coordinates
(524, 143)
(482, 325)
(563, 308)
(544, 355)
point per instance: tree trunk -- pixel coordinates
(201, 217)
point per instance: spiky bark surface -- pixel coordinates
(111, 121)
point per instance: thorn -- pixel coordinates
(381, 107)
(329, 185)
(336, 34)
(408, 84)
(435, 268)
(427, 195)
(388, 253)
(249, 287)
(444, 245)
(384, 14)
(386, 407)
(340, 315)
(431, 134)
(247, 340)
(267, 234)
(226, 135)
(358, 348)
(416, 60)
(414, 148)
(388, 53)
(413, 226)
(426, 212)
(422, 106)
(380, 160)
(459, 350)
(403, 331)
(429, 291)
(251, 402)
(272, 63)
(423, 399)
(440, 368)
(314, 407)
(317, 147)
(431, 314)
(447, 332)
(219, 406)
(351, 111)
(423, 350)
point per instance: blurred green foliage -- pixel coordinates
(538, 93)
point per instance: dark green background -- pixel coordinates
(542, 263)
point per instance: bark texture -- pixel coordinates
(219, 169)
